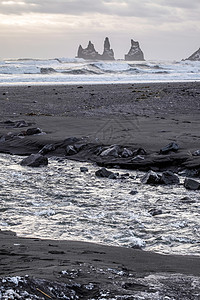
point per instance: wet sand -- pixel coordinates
(147, 116)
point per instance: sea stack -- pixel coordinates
(108, 54)
(135, 53)
(89, 52)
(92, 54)
(195, 56)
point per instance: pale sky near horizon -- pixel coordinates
(165, 29)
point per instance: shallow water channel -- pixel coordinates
(61, 202)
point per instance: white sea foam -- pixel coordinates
(74, 70)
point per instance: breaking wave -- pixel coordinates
(79, 70)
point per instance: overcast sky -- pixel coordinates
(165, 29)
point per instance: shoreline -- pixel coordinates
(85, 83)
(92, 271)
(133, 116)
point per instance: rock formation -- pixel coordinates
(91, 53)
(135, 53)
(108, 54)
(195, 56)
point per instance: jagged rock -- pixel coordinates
(70, 150)
(103, 172)
(108, 54)
(170, 147)
(169, 177)
(191, 184)
(32, 131)
(151, 178)
(135, 53)
(195, 56)
(112, 151)
(35, 160)
(89, 52)
(47, 148)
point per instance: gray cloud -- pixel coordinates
(152, 9)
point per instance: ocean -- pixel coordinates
(76, 71)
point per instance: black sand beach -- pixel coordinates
(142, 117)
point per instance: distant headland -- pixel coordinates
(134, 54)
(195, 56)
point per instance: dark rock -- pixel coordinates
(32, 131)
(88, 53)
(133, 192)
(112, 151)
(155, 212)
(103, 172)
(151, 178)
(47, 148)
(187, 200)
(170, 147)
(70, 150)
(196, 153)
(169, 177)
(79, 147)
(191, 184)
(139, 151)
(135, 53)
(126, 153)
(195, 56)
(112, 176)
(16, 124)
(108, 53)
(35, 160)
(83, 169)
(47, 70)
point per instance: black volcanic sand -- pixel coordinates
(90, 271)
(147, 116)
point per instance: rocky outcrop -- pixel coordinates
(166, 177)
(171, 147)
(91, 53)
(195, 56)
(108, 54)
(135, 53)
(191, 184)
(35, 160)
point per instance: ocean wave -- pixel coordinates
(67, 69)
